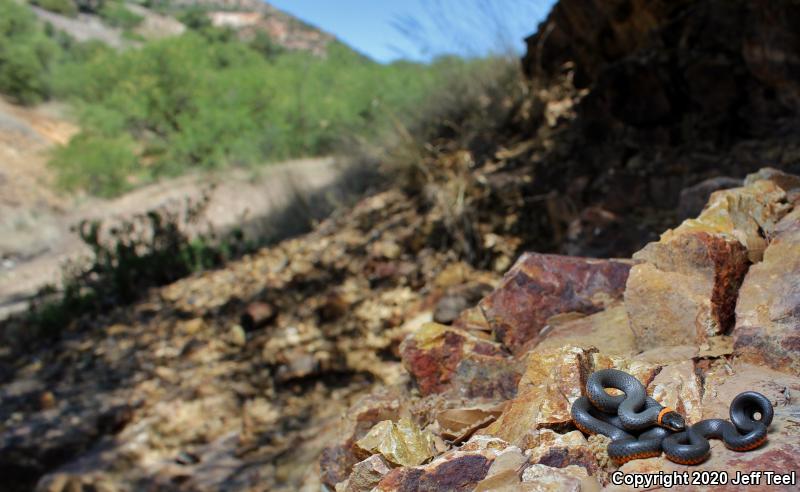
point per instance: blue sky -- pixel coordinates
(419, 29)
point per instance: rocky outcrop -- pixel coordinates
(676, 331)
(696, 269)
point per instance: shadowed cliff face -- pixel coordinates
(669, 93)
(717, 70)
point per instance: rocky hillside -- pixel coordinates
(706, 312)
(90, 20)
(433, 336)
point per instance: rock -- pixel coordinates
(685, 289)
(767, 328)
(336, 463)
(401, 442)
(457, 470)
(642, 369)
(789, 183)
(608, 331)
(677, 386)
(551, 382)
(257, 315)
(337, 460)
(472, 319)
(539, 286)
(560, 450)
(504, 474)
(441, 358)
(458, 424)
(694, 198)
(367, 474)
(543, 478)
(748, 213)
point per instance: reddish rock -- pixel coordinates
(457, 470)
(687, 284)
(767, 328)
(539, 286)
(686, 289)
(366, 474)
(335, 464)
(442, 358)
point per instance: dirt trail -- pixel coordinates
(35, 222)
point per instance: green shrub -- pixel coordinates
(117, 15)
(196, 18)
(99, 165)
(26, 54)
(206, 100)
(63, 7)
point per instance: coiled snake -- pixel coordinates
(640, 427)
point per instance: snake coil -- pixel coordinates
(745, 433)
(636, 424)
(640, 427)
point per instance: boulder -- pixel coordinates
(687, 283)
(767, 328)
(540, 286)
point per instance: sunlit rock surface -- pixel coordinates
(540, 286)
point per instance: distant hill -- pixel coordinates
(251, 16)
(120, 23)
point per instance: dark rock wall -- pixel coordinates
(675, 92)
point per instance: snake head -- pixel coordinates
(673, 421)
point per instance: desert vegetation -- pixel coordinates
(205, 99)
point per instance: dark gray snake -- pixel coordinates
(745, 433)
(640, 427)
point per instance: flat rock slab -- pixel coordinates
(540, 286)
(608, 331)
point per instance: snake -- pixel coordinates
(640, 427)
(747, 432)
(636, 423)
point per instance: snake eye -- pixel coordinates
(673, 421)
